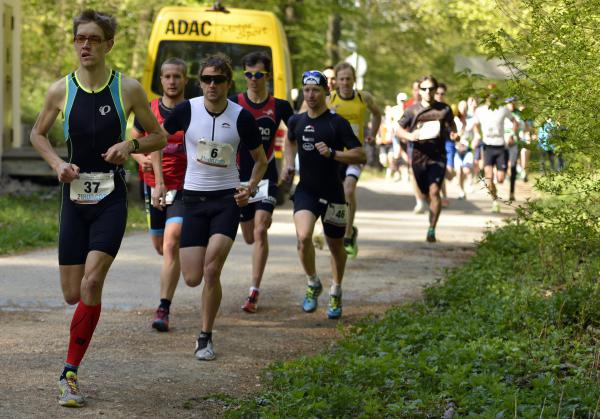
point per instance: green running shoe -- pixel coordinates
(334, 308)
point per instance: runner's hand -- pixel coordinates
(146, 163)
(117, 153)
(67, 172)
(287, 174)
(323, 149)
(159, 196)
(242, 195)
(369, 139)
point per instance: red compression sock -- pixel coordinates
(83, 325)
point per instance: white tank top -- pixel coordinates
(221, 129)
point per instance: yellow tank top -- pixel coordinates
(353, 110)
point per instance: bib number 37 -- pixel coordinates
(91, 188)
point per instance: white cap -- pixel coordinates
(401, 97)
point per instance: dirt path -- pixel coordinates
(132, 371)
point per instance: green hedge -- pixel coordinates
(511, 333)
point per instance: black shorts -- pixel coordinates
(99, 227)
(157, 219)
(304, 200)
(429, 174)
(495, 155)
(208, 213)
(247, 213)
(513, 154)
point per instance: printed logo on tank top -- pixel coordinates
(309, 128)
(307, 143)
(104, 110)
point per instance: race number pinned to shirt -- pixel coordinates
(336, 214)
(213, 153)
(429, 130)
(91, 188)
(261, 194)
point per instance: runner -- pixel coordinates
(269, 112)
(489, 125)
(426, 124)
(322, 136)
(420, 199)
(212, 194)
(352, 105)
(96, 102)
(463, 159)
(515, 142)
(440, 96)
(163, 186)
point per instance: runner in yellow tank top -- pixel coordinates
(353, 106)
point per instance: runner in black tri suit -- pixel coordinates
(96, 103)
(320, 138)
(269, 112)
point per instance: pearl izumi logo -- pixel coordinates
(104, 109)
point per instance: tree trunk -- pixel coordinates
(334, 29)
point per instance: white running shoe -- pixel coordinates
(69, 391)
(204, 350)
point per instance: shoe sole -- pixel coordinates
(205, 358)
(160, 326)
(70, 403)
(309, 311)
(249, 310)
(334, 317)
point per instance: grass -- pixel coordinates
(31, 221)
(512, 333)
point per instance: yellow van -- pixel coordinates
(192, 33)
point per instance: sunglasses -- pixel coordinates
(256, 74)
(216, 79)
(423, 89)
(92, 40)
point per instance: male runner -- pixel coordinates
(214, 128)
(352, 105)
(427, 124)
(489, 126)
(440, 96)
(96, 102)
(320, 138)
(163, 185)
(269, 112)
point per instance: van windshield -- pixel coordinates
(193, 52)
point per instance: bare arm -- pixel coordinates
(289, 156)
(137, 102)
(406, 135)
(353, 156)
(55, 97)
(375, 115)
(258, 171)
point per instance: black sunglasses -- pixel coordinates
(217, 79)
(427, 88)
(256, 74)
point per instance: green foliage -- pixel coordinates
(511, 333)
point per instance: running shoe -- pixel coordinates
(462, 196)
(445, 202)
(311, 299)
(69, 391)
(351, 245)
(251, 304)
(161, 320)
(495, 207)
(512, 198)
(431, 235)
(419, 207)
(204, 349)
(334, 308)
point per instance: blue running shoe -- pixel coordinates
(334, 308)
(311, 299)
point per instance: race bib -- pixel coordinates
(429, 130)
(169, 196)
(213, 153)
(262, 193)
(91, 188)
(336, 214)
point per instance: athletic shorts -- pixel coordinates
(87, 227)
(429, 174)
(464, 160)
(495, 156)
(304, 200)
(385, 148)
(157, 219)
(450, 152)
(207, 213)
(268, 204)
(513, 155)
